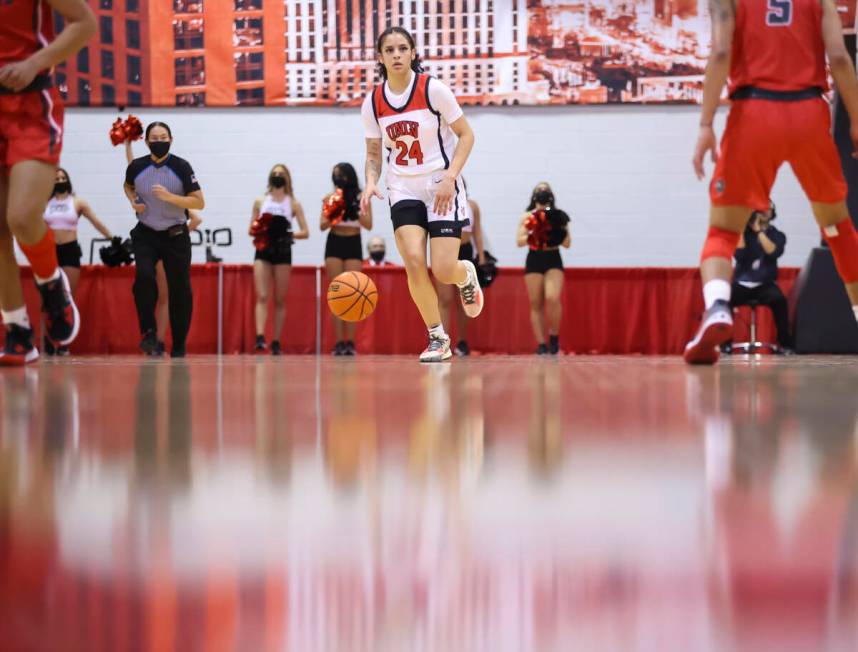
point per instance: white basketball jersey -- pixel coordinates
(416, 136)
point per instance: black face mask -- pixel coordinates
(276, 181)
(377, 256)
(544, 197)
(62, 187)
(159, 148)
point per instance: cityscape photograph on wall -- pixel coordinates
(322, 52)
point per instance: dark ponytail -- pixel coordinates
(416, 63)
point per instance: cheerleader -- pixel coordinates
(271, 226)
(62, 213)
(419, 123)
(343, 218)
(544, 229)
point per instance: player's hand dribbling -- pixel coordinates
(444, 192)
(17, 76)
(706, 142)
(370, 192)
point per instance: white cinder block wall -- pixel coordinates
(622, 173)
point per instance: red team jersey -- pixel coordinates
(777, 47)
(25, 26)
(31, 121)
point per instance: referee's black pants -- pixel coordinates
(174, 250)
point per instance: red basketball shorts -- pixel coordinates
(763, 134)
(31, 127)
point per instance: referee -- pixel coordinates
(162, 188)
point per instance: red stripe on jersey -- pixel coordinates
(26, 26)
(416, 101)
(778, 45)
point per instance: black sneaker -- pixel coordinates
(542, 349)
(715, 329)
(339, 349)
(553, 344)
(462, 349)
(18, 349)
(275, 348)
(349, 348)
(178, 351)
(260, 346)
(62, 320)
(63, 351)
(48, 347)
(149, 343)
(161, 349)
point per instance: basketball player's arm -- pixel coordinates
(83, 208)
(723, 17)
(477, 228)
(80, 27)
(365, 217)
(842, 68)
(447, 189)
(372, 172)
(298, 211)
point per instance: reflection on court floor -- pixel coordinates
(376, 504)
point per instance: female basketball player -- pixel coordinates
(162, 308)
(342, 214)
(543, 270)
(62, 213)
(275, 214)
(472, 235)
(418, 120)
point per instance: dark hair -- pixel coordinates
(68, 178)
(152, 125)
(351, 189)
(532, 204)
(416, 64)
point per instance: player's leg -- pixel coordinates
(752, 149)
(262, 281)
(334, 267)
(162, 308)
(29, 188)
(19, 348)
(816, 164)
(282, 274)
(349, 327)
(535, 284)
(553, 292)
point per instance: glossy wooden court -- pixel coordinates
(494, 503)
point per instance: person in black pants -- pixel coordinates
(756, 272)
(162, 188)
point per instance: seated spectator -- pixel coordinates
(377, 252)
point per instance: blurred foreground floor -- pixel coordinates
(490, 504)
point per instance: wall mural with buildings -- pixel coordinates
(321, 52)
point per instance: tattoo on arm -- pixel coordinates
(373, 160)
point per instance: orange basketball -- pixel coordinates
(352, 296)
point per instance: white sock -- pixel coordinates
(18, 317)
(855, 310)
(715, 290)
(42, 281)
(438, 331)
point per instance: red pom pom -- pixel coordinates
(259, 231)
(117, 132)
(133, 128)
(334, 207)
(537, 226)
